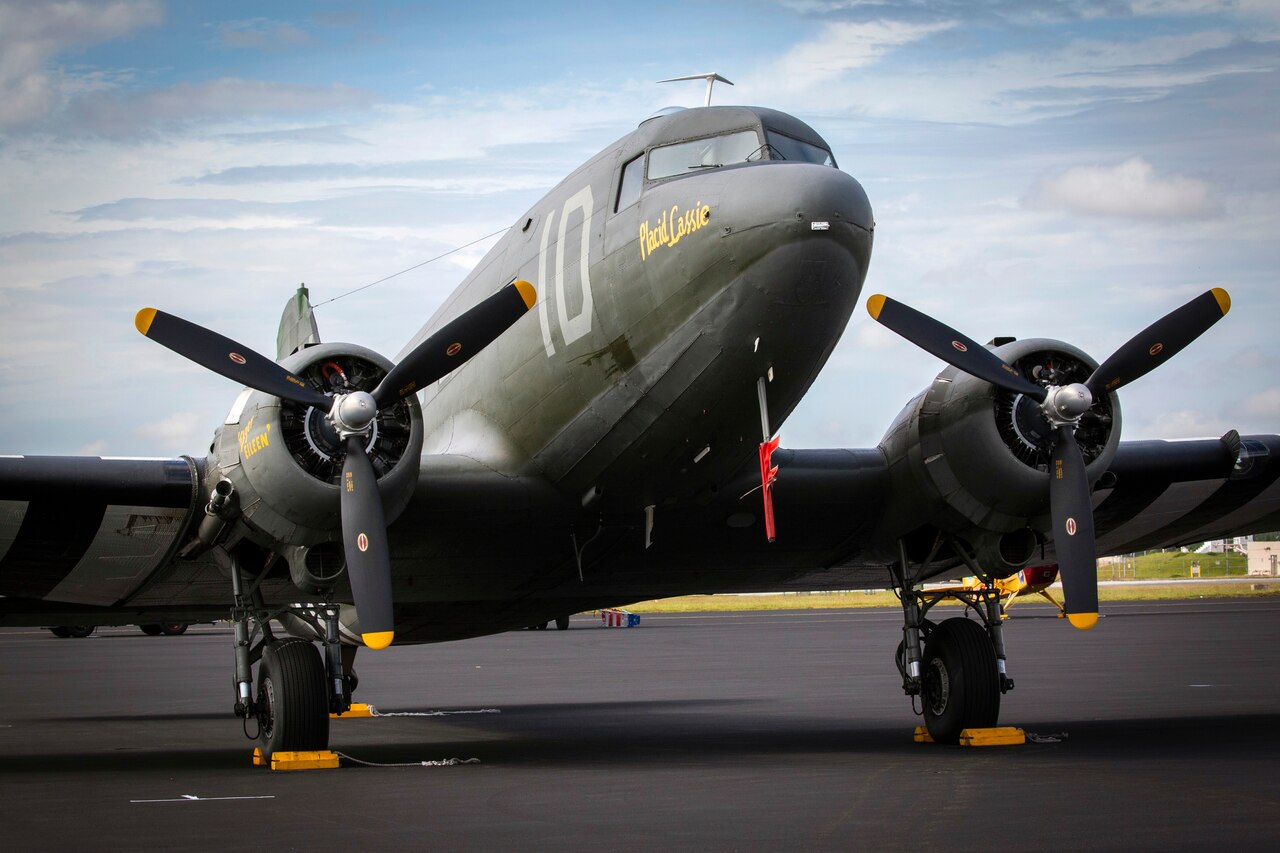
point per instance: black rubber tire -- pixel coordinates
(79, 631)
(562, 623)
(293, 705)
(961, 686)
(150, 630)
(173, 629)
(59, 631)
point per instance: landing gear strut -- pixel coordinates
(956, 667)
(297, 688)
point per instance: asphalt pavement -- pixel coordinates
(765, 731)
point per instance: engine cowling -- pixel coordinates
(978, 456)
(284, 460)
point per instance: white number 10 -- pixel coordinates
(571, 328)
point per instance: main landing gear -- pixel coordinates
(959, 672)
(297, 687)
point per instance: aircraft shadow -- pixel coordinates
(677, 733)
(139, 718)
(621, 734)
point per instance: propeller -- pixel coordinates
(1070, 507)
(364, 529)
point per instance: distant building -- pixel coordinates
(1264, 559)
(1220, 546)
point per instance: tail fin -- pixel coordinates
(298, 328)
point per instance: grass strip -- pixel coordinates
(1172, 591)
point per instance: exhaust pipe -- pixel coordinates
(222, 509)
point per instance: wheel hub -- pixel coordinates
(937, 687)
(266, 708)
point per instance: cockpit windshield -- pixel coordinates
(742, 146)
(783, 147)
(683, 158)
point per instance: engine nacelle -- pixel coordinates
(978, 456)
(285, 460)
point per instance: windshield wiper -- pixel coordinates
(774, 153)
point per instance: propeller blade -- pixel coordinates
(1160, 341)
(223, 355)
(461, 338)
(364, 539)
(1072, 513)
(949, 345)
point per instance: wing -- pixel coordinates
(96, 541)
(89, 532)
(1172, 493)
(1154, 494)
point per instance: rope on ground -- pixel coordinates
(444, 762)
(374, 712)
(1057, 737)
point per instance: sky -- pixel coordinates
(1037, 169)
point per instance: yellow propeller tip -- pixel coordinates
(1224, 299)
(1083, 621)
(143, 319)
(875, 305)
(527, 292)
(378, 639)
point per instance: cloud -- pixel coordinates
(1265, 406)
(1040, 11)
(1130, 189)
(1246, 9)
(310, 135)
(34, 94)
(261, 34)
(129, 114)
(965, 63)
(1183, 423)
(443, 176)
(31, 34)
(844, 46)
(181, 431)
(1019, 11)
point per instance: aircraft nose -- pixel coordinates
(788, 193)
(782, 204)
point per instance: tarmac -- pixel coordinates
(750, 731)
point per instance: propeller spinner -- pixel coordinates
(364, 532)
(1071, 510)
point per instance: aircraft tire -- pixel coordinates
(293, 710)
(78, 631)
(151, 630)
(562, 623)
(173, 629)
(961, 686)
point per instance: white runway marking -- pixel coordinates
(192, 798)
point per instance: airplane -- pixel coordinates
(591, 419)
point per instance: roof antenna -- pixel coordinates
(710, 78)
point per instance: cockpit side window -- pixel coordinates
(682, 158)
(783, 147)
(632, 181)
